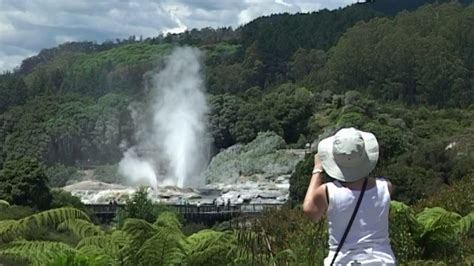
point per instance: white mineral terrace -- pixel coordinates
(95, 192)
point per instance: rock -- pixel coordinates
(263, 157)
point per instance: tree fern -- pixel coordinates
(440, 236)
(139, 230)
(96, 255)
(80, 228)
(405, 232)
(465, 224)
(52, 217)
(36, 252)
(164, 248)
(168, 219)
(208, 247)
(113, 244)
(9, 230)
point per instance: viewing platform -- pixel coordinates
(205, 213)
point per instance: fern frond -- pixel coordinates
(52, 217)
(168, 219)
(113, 243)
(101, 241)
(9, 230)
(210, 247)
(139, 230)
(399, 207)
(80, 228)
(36, 252)
(465, 224)
(4, 204)
(164, 248)
(96, 255)
(440, 237)
(405, 214)
(438, 219)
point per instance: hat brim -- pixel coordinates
(349, 174)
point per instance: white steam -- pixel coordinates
(138, 171)
(178, 129)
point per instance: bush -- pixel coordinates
(15, 212)
(60, 175)
(63, 198)
(403, 229)
(140, 206)
(458, 197)
(24, 182)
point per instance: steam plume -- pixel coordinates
(178, 129)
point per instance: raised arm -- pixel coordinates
(315, 203)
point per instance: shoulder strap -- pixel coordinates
(348, 228)
(327, 194)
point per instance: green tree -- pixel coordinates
(24, 182)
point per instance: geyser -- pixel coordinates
(178, 130)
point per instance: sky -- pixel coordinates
(27, 26)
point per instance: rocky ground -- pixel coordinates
(257, 172)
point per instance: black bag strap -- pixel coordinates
(348, 228)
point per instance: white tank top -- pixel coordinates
(368, 238)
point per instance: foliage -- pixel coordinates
(408, 58)
(80, 228)
(140, 206)
(61, 198)
(433, 233)
(59, 175)
(457, 198)
(300, 178)
(24, 182)
(404, 232)
(14, 212)
(208, 247)
(109, 174)
(281, 236)
(264, 155)
(36, 252)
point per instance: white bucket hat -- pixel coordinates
(349, 155)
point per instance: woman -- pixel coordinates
(348, 157)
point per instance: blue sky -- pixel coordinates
(27, 26)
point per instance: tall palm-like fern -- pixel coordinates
(81, 228)
(161, 243)
(443, 231)
(108, 247)
(439, 232)
(168, 219)
(8, 230)
(209, 247)
(11, 229)
(166, 247)
(36, 252)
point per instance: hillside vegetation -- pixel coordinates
(405, 73)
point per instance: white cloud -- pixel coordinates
(27, 26)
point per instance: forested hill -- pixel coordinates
(408, 77)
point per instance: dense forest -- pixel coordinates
(403, 70)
